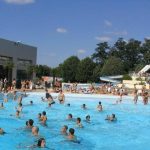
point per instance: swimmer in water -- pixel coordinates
(19, 107)
(71, 136)
(49, 105)
(17, 115)
(43, 118)
(19, 99)
(39, 116)
(84, 106)
(111, 118)
(88, 119)
(61, 97)
(30, 123)
(2, 132)
(41, 143)
(99, 107)
(68, 104)
(64, 130)
(35, 131)
(78, 123)
(70, 117)
(31, 102)
(2, 106)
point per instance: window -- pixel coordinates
(23, 62)
(5, 58)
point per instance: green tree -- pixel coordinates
(42, 70)
(119, 49)
(97, 73)
(69, 69)
(128, 52)
(132, 54)
(139, 67)
(145, 51)
(58, 71)
(126, 77)
(101, 53)
(113, 66)
(85, 70)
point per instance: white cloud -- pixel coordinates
(108, 23)
(103, 38)
(20, 2)
(61, 30)
(118, 33)
(81, 51)
(148, 37)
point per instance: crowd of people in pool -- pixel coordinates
(42, 117)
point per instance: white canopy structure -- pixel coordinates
(145, 69)
(108, 79)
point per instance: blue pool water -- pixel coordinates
(131, 131)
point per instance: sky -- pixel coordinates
(62, 28)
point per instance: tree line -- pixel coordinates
(118, 59)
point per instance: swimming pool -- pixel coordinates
(131, 131)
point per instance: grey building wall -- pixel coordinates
(17, 51)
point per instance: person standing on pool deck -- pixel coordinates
(121, 94)
(145, 98)
(135, 95)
